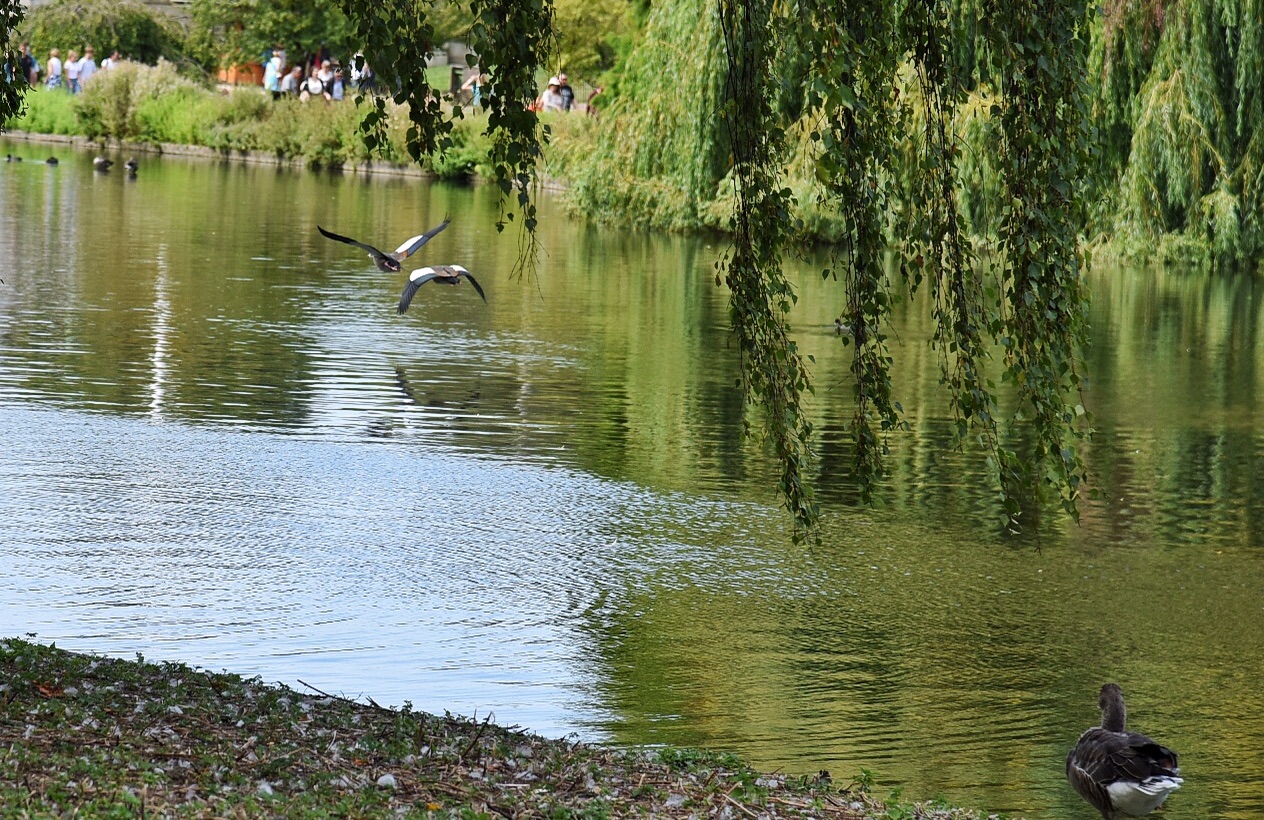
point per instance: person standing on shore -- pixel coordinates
(272, 75)
(71, 69)
(88, 65)
(26, 64)
(567, 93)
(290, 85)
(54, 68)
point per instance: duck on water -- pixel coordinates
(1121, 773)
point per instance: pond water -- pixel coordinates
(223, 446)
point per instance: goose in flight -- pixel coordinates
(389, 262)
(442, 274)
(1117, 771)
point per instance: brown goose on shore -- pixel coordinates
(1117, 771)
(388, 262)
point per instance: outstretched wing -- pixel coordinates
(416, 279)
(411, 244)
(374, 252)
(460, 271)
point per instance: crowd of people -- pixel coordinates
(70, 74)
(317, 77)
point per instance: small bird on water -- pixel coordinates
(1120, 772)
(131, 165)
(101, 163)
(389, 262)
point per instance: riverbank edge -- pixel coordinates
(381, 168)
(105, 737)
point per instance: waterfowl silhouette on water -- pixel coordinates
(101, 164)
(441, 274)
(131, 165)
(1120, 772)
(51, 161)
(11, 158)
(388, 262)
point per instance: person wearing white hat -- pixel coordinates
(551, 99)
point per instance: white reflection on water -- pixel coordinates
(401, 572)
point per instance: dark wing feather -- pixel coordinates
(1103, 757)
(474, 282)
(374, 252)
(410, 246)
(1079, 763)
(410, 289)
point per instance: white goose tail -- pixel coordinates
(1138, 798)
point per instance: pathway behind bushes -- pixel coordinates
(89, 736)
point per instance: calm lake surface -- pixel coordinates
(223, 446)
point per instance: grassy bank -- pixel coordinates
(100, 737)
(157, 105)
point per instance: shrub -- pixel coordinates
(47, 112)
(126, 25)
(139, 102)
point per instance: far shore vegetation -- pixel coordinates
(1178, 115)
(87, 736)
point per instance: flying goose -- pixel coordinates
(443, 274)
(389, 262)
(1117, 771)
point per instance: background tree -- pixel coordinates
(1179, 100)
(586, 32)
(241, 31)
(131, 27)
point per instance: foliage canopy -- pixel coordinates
(127, 25)
(861, 102)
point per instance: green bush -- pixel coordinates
(134, 101)
(126, 25)
(47, 112)
(156, 104)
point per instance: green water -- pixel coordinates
(224, 446)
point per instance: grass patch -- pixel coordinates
(98, 737)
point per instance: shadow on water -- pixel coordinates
(223, 445)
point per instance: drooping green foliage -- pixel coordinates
(772, 369)
(12, 84)
(127, 25)
(857, 112)
(1039, 50)
(1180, 103)
(510, 40)
(661, 159)
(587, 32)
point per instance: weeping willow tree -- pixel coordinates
(726, 99)
(740, 101)
(868, 105)
(1180, 102)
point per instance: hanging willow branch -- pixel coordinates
(12, 84)
(772, 369)
(510, 39)
(1040, 51)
